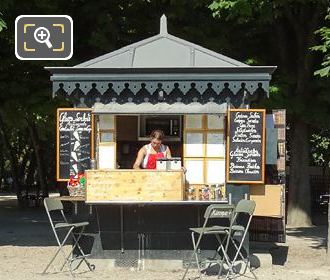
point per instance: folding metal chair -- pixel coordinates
(239, 225)
(52, 205)
(214, 211)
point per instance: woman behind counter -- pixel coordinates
(148, 154)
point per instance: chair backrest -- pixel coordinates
(217, 211)
(245, 206)
(52, 204)
(243, 212)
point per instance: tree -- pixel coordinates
(324, 32)
(27, 111)
(281, 33)
(26, 106)
(243, 32)
(321, 149)
(2, 23)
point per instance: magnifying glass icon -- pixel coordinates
(41, 35)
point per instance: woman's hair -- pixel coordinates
(157, 134)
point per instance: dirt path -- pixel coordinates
(27, 244)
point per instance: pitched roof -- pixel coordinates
(162, 51)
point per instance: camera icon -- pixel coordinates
(43, 37)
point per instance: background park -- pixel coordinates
(291, 34)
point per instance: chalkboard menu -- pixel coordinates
(74, 142)
(246, 146)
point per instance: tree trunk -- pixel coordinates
(2, 168)
(39, 157)
(13, 160)
(299, 204)
(299, 201)
(25, 158)
(30, 173)
(328, 240)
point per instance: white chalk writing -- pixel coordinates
(246, 144)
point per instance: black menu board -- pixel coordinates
(74, 142)
(246, 146)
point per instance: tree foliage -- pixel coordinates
(281, 33)
(324, 48)
(2, 23)
(321, 148)
(26, 105)
(258, 32)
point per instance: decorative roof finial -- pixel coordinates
(163, 25)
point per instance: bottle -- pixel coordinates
(217, 192)
(93, 164)
(191, 193)
(200, 196)
(212, 192)
(205, 193)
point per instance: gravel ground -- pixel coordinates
(26, 246)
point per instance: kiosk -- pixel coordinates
(202, 100)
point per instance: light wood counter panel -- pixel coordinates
(134, 185)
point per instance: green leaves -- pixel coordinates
(320, 145)
(280, 32)
(2, 23)
(324, 72)
(324, 48)
(243, 10)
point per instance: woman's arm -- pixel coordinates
(168, 152)
(139, 158)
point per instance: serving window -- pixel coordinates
(204, 149)
(106, 141)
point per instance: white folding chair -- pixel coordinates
(52, 205)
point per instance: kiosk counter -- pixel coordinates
(134, 185)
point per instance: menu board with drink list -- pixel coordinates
(74, 142)
(246, 146)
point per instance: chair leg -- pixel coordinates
(61, 244)
(238, 249)
(194, 253)
(68, 264)
(76, 244)
(231, 268)
(251, 270)
(217, 236)
(246, 266)
(90, 267)
(78, 265)
(225, 256)
(67, 258)
(72, 249)
(189, 264)
(245, 260)
(227, 260)
(54, 257)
